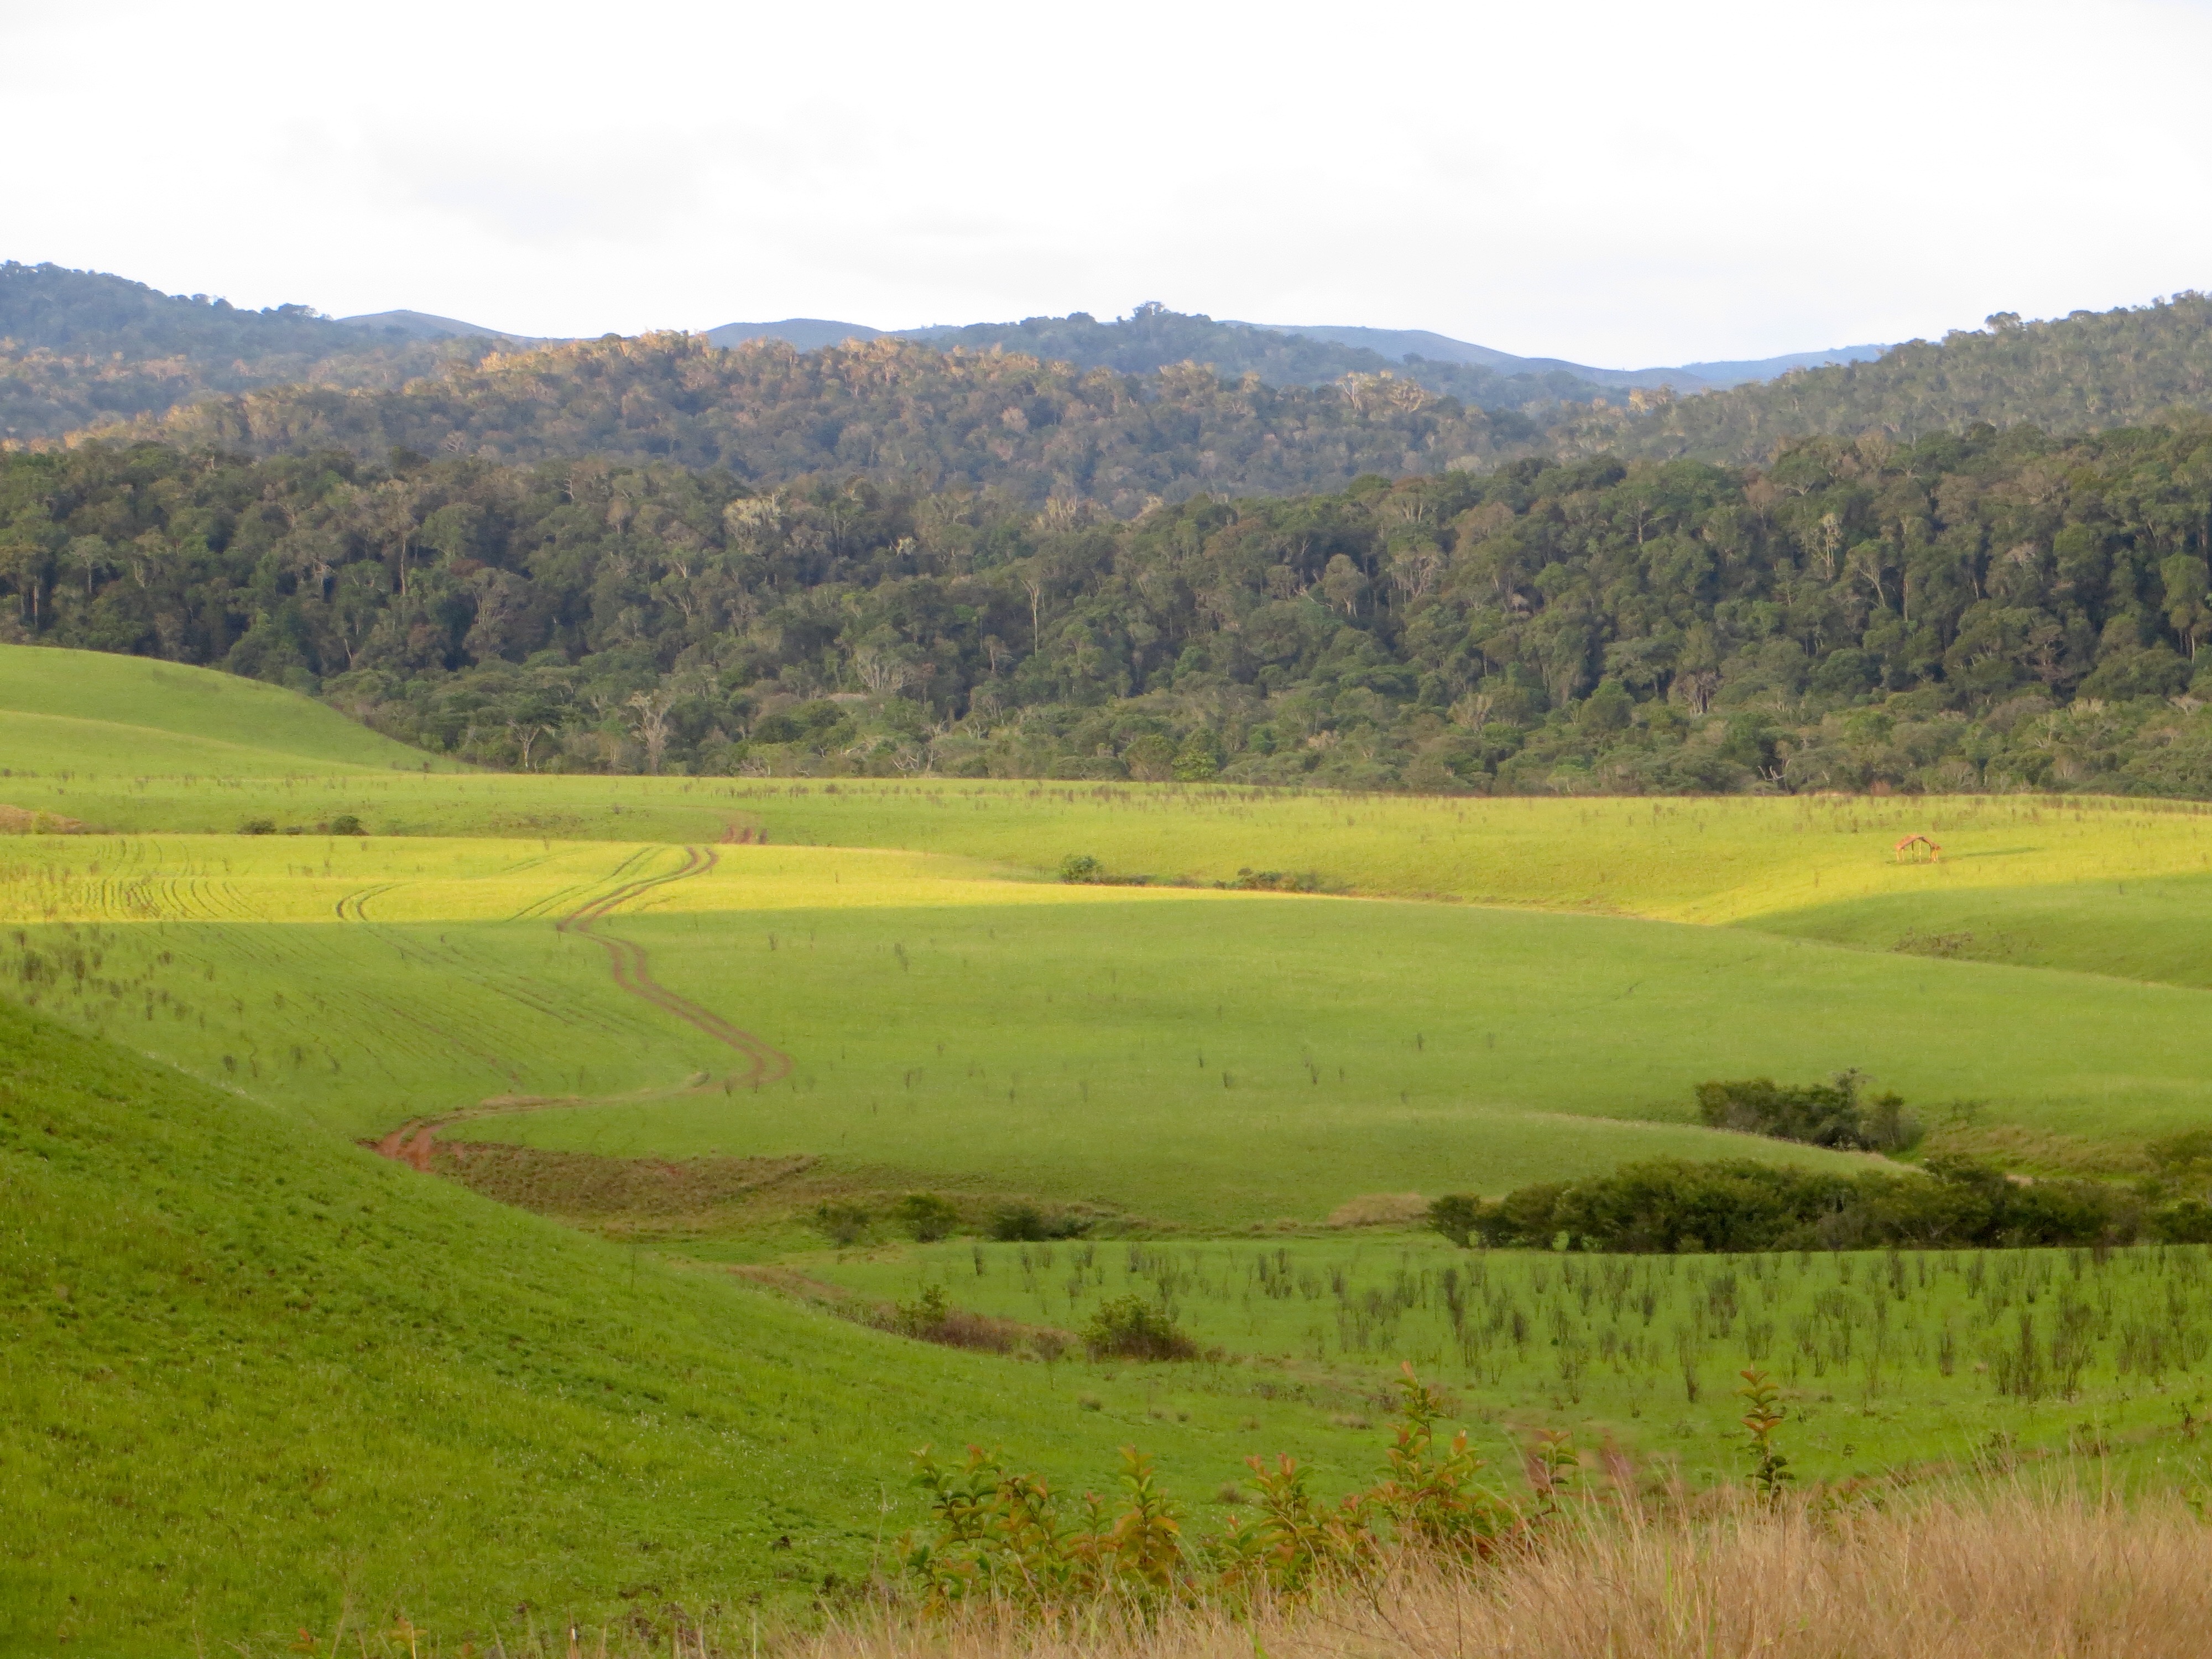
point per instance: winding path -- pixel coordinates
(633, 972)
(631, 966)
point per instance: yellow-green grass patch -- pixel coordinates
(1197, 1057)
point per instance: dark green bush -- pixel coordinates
(2184, 1221)
(842, 1223)
(258, 827)
(1819, 1113)
(1019, 1224)
(1081, 867)
(347, 824)
(924, 1217)
(1130, 1328)
(1672, 1204)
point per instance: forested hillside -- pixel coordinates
(2084, 372)
(1152, 337)
(906, 415)
(1119, 437)
(79, 348)
(2000, 609)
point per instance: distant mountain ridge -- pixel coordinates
(1399, 350)
(423, 325)
(800, 333)
(82, 349)
(1683, 377)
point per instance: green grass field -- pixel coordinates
(259, 1377)
(1893, 1361)
(1207, 1059)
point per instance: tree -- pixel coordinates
(651, 724)
(2186, 579)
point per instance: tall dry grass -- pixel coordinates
(2020, 1576)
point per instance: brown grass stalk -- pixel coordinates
(2016, 1578)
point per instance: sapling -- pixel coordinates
(1770, 1469)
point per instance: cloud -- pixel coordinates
(1598, 180)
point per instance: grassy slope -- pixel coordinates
(255, 1377)
(90, 711)
(1702, 860)
(2157, 929)
(1195, 1056)
(1367, 1048)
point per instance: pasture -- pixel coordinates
(1887, 1361)
(257, 1379)
(398, 1397)
(1184, 1056)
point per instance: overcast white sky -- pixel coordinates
(1618, 183)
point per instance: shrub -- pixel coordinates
(1673, 1205)
(1130, 1328)
(258, 827)
(1007, 1540)
(347, 824)
(1820, 1114)
(842, 1223)
(2184, 1221)
(1080, 867)
(1024, 1223)
(930, 1318)
(1250, 880)
(924, 1217)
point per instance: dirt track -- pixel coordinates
(412, 1142)
(633, 972)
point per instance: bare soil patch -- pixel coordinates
(23, 821)
(592, 1187)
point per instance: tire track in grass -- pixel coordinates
(633, 972)
(414, 1141)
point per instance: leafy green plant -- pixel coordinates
(1131, 1327)
(842, 1223)
(1008, 1536)
(1770, 1469)
(925, 1217)
(1821, 1114)
(1020, 1223)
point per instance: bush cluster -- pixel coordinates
(1130, 1328)
(926, 1217)
(1008, 1538)
(1821, 1114)
(1734, 1205)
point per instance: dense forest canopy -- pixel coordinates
(1157, 406)
(905, 415)
(913, 417)
(2079, 373)
(1995, 609)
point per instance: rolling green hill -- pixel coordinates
(257, 1379)
(93, 711)
(260, 1379)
